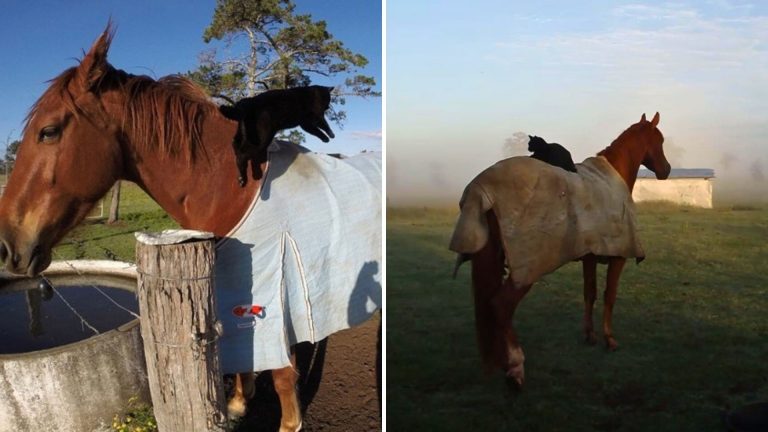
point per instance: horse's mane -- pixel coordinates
(620, 139)
(164, 114)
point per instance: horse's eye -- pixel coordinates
(49, 133)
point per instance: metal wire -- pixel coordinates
(83, 321)
(197, 340)
(114, 302)
(151, 275)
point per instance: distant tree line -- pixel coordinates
(8, 159)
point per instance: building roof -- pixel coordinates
(681, 173)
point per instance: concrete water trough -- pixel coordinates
(69, 357)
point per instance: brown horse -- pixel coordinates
(497, 295)
(96, 124)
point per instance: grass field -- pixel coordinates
(95, 239)
(690, 321)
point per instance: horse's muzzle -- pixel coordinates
(28, 261)
(664, 173)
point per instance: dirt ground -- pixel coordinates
(338, 386)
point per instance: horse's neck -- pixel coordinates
(201, 194)
(625, 159)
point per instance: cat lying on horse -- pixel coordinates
(261, 117)
(551, 153)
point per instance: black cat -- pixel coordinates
(261, 117)
(551, 153)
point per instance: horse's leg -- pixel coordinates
(505, 304)
(615, 266)
(237, 405)
(285, 386)
(589, 266)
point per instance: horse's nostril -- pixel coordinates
(16, 260)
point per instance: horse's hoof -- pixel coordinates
(515, 377)
(514, 384)
(590, 338)
(611, 343)
(236, 408)
(290, 428)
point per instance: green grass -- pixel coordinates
(95, 239)
(137, 418)
(690, 321)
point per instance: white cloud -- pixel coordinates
(373, 135)
(655, 40)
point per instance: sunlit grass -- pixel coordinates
(95, 239)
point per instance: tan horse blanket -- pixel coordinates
(548, 216)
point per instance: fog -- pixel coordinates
(466, 85)
(429, 175)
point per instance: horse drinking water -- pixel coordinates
(96, 124)
(521, 219)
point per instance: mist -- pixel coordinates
(421, 177)
(482, 82)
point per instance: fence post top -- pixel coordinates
(171, 236)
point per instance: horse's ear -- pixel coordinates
(655, 120)
(642, 119)
(94, 65)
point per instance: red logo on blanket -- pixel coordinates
(245, 311)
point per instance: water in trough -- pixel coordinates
(34, 317)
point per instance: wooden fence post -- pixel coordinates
(179, 327)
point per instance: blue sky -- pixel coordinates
(463, 78)
(156, 38)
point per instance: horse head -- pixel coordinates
(69, 157)
(654, 158)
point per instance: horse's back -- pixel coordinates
(548, 216)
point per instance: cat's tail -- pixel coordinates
(228, 111)
(225, 97)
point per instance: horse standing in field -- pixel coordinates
(522, 218)
(96, 124)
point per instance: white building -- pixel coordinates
(684, 186)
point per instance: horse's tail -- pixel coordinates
(487, 281)
(477, 237)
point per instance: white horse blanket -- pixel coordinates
(304, 262)
(548, 216)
